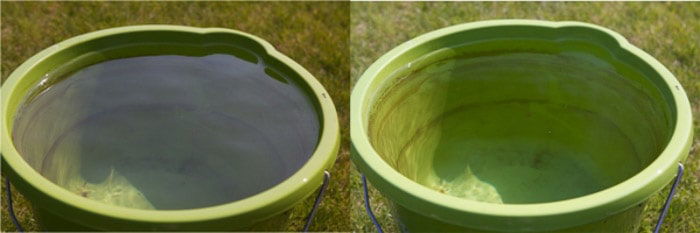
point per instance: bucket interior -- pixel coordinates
(167, 126)
(519, 119)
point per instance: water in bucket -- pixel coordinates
(518, 125)
(168, 131)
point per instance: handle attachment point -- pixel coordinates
(317, 202)
(667, 204)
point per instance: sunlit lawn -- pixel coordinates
(668, 31)
(314, 34)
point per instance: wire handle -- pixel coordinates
(319, 197)
(659, 222)
(667, 204)
(324, 186)
(309, 218)
(367, 205)
(10, 209)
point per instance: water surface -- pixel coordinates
(170, 131)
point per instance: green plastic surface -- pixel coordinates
(62, 210)
(519, 125)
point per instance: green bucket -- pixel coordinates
(125, 171)
(519, 125)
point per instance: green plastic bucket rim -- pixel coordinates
(539, 216)
(310, 173)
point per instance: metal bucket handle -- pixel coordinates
(657, 228)
(309, 218)
(319, 197)
(667, 204)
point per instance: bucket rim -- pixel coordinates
(256, 207)
(505, 217)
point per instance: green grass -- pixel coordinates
(668, 31)
(313, 34)
(316, 35)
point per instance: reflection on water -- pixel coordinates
(169, 132)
